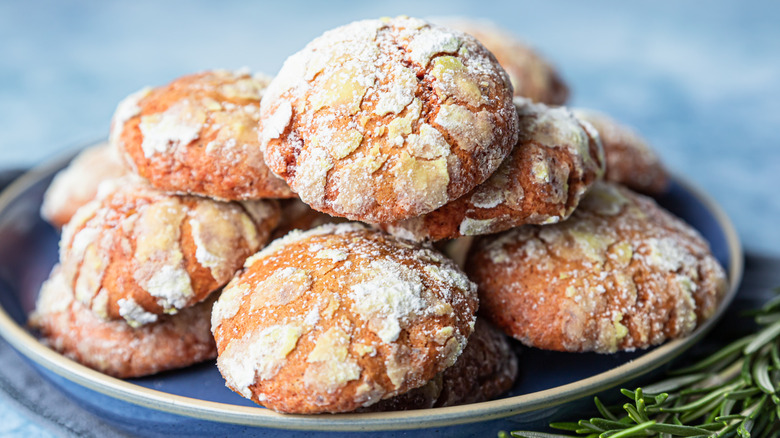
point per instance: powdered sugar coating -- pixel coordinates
(387, 119)
(555, 161)
(116, 348)
(486, 369)
(199, 134)
(621, 273)
(136, 251)
(532, 76)
(77, 184)
(630, 160)
(371, 318)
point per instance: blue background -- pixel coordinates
(699, 80)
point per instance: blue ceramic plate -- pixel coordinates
(195, 401)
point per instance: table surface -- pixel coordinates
(700, 81)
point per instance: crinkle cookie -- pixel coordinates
(531, 75)
(77, 184)
(298, 216)
(555, 161)
(115, 348)
(630, 161)
(486, 369)
(136, 252)
(382, 120)
(340, 317)
(621, 273)
(198, 135)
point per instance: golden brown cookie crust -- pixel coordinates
(198, 135)
(532, 76)
(136, 252)
(115, 348)
(486, 369)
(77, 184)
(340, 317)
(630, 160)
(621, 273)
(382, 120)
(555, 161)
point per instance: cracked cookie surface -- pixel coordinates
(136, 252)
(340, 317)
(487, 368)
(621, 273)
(532, 76)
(382, 120)
(198, 135)
(556, 160)
(115, 348)
(630, 160)
(77, 184)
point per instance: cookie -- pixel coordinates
(630, 161)
(77, 184)
(382, 120)
(198, 135)
(340, 317)
(532, 76)
(298, 216)
(555, 161)
(486, 369)
(136, 252)
(115, 348)
(621, 273)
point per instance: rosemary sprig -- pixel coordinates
(732, 393)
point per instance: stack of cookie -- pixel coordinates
(418, 132)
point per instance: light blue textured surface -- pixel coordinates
(699, 80)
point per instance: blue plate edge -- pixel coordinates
(26, 344)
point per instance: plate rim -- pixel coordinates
(25, 343)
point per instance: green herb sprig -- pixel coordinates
(735, 391)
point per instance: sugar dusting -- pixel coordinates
(554, 163)
(363, 298)
(353, 103)
(620, 274)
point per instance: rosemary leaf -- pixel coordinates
(679, 430)
(761, 375)
(567, 425)
(531, 434)
(718, 425)
(733, 392)
(587, 427)
(774, 351)
(727, 418)
(631, 431)
(608, 424)
(728, 405)
(742, 394)
(603, 410)
(728, 431)
(732, 349)
(700, 402)
(660, 399)
(634, 414)
(768, 319)
(772, 304)
(633, 395)
(764, 336)
(757, 408)
(745, 427)
(699, 411)
(674, 383)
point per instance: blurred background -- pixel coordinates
(699, 80)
